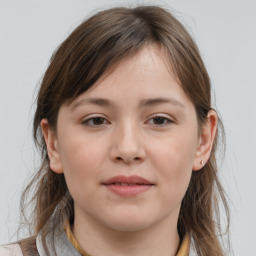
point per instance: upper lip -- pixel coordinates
(134, 179)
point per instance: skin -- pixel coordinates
(128, 139)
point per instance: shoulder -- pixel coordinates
(10, 250)
(23, 247)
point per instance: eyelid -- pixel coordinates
(169, 119)
(91, 117)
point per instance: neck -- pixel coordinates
(160, 239)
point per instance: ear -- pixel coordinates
(52, 146)
(205, 141)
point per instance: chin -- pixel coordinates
(130, 222)
(130, 226)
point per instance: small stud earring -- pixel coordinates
(202, 162)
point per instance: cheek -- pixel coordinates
(174, 160)
(81, 150)
(82, 159)
(175, 151)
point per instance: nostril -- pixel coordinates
(123, 159)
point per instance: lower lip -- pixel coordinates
(128, 191)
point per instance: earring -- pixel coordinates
(202, 162)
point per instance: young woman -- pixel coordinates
(128, 137)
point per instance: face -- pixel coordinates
(128, 145)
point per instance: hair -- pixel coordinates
(94, 47)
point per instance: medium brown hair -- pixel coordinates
(94, 47)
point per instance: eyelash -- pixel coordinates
(162, 118)
(86, 122)
(165, 119)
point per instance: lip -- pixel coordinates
(134, 179)
(128, 186)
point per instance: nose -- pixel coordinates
(128, 145)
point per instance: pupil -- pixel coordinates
(159, 120)
(97, 120)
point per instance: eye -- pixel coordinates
(95, 121)
(160, 120)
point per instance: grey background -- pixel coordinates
(225, 31)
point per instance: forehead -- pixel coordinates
(150, 58)
(137, 85)
(143, 74)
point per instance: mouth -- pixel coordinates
(128, 186)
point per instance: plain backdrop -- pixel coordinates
(225, 31)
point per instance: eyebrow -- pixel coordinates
(94, 101)
(144, 103)
(156, 101)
